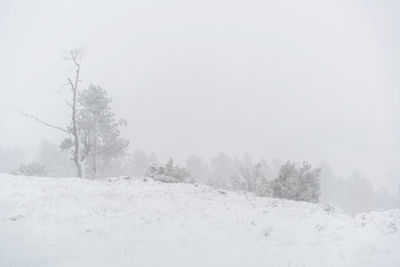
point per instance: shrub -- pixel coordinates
(300, 184)
(169, 173)
(31, 169)
(252, 178)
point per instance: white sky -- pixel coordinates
(292, 79)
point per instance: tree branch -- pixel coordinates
(68, 104)
(71, 84)
(43, 122)
(75, 54)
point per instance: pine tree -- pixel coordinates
(98, 131)
(297, 183)
(169, 173)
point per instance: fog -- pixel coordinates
(295, 80)
(200, 133)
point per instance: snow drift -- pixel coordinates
(141, 222)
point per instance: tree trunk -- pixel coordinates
(77, 159)
(95, 153)
(75, 133)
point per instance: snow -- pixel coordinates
(141, 222)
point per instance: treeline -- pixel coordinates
(282, 180)
(353, 193)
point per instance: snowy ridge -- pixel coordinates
(141, 222)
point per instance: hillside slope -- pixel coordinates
(119, 222)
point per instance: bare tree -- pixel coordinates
(251, 177)
(76, 56)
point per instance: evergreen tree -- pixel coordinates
(169, 173)
(99, 132)
(297, 183)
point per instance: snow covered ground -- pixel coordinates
(120, 222)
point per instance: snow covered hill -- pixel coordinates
(139, 222)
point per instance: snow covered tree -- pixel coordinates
(169, 173)
(251, 177)
(98, 131)
(300, 184)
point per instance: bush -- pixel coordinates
(300, 184)
(252, 178)
(169, 173)
(31, 169)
